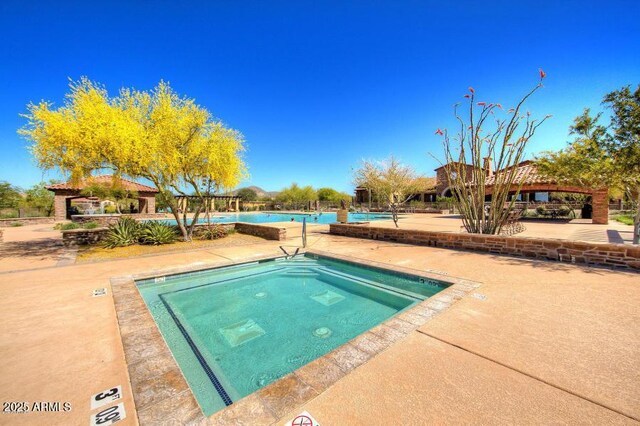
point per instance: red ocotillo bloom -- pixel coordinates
(542, 73)
(439, 132)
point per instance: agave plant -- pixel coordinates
(157, 233)
(214, 232)
(125, 232)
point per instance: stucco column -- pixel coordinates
(237, 205)
(600, 203)
(151, 204)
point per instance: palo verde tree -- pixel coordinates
(39, 197)
(156, 135)
(606, 155)
(10, 195)
(247, 194)
(487, 133)
(391, 181)
(296, 196)
(332, 195)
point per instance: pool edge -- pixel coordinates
(175, 400)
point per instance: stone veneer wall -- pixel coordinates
(265, 231)
(599, 254)
(83, 237)
(80, 237)
(6, 223)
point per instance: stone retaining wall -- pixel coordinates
(6, 223)
(265, 231)
(598, 254)
(83, 237)
(1, 237)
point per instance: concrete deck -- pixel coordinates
(576, 229)
(540, 342)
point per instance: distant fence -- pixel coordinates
(11, 213)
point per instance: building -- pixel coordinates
(65, 192)
(534, 188)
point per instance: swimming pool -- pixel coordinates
(324, 218)
(234, 330)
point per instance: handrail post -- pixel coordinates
(304, 232)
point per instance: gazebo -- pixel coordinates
(67, 191)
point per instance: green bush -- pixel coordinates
(66, 226)
(214, 232)
(157, 233)
(627, 219)
(125, 232)
(110, 210)
(564, 211)
(91, 225)
(16, 224)
(541, 210)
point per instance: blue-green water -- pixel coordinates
(323, 218)
(251, 324)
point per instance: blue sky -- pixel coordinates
(317, 86)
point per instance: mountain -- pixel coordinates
(261, 192)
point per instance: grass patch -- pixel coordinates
(66, 226)
(627, 219)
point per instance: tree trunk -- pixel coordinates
(394, 215)
(181, 227)
(636, 222)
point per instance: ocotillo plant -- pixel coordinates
(487, 135)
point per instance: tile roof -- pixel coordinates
(526, 172)
(103, 179)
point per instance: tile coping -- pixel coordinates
(161, 393)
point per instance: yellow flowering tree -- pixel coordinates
(156, 135)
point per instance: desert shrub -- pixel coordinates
(157, 233)
(91, 225)
(110, 210)
(125, 232)
(16, 224)
(564, 211)
(66, 226)
(214, 232)
(541, 210)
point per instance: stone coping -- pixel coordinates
(162, 394)
(81, 230)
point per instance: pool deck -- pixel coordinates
(539, 342)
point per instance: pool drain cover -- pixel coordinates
(322, 332)
(241, 332)
(327, 298)
(260, 295)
